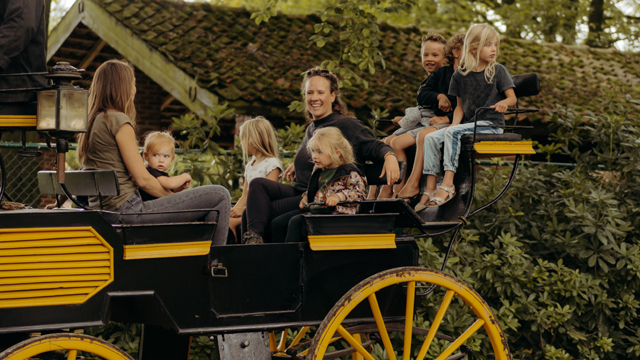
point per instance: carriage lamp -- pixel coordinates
(62, 110)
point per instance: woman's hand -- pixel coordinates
(332, 200)
(290, 173)
(391, 169)
(236, 211)
(443, 103)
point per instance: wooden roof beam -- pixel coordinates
(150, 61)
(92, 54)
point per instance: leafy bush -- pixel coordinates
(558, 257)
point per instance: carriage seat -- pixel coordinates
(105, 183)
(506, 143)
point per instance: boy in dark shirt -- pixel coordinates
(159, 152)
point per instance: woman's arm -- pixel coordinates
(458, 113)
(126, 140)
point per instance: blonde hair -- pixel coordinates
(259, 133)
(328, 140)
(111, 89)
(156, 140)
(476, 38)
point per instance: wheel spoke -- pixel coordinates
(408, 319)
(382, 329)
(283, 340)
(459, 341)
(272, 342)
(356, 355)
(72, 354)
(354, 343)
(299, 337)
(435, 324)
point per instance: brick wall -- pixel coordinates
(149, 98)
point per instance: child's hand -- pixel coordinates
(332, 200)
(236, 211)
(500, 106)
(303, 203)
(290, 173)
(438, 120)
(397, 119)
(443, 103)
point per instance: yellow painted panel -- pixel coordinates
(56, 265)
(152, 251)
(48, 243)
(57, 300)
(43, 279)
(41, 234)
(53, 258)
(352, 242)
(504, 147)
(51, 285)
(50, 272)
(44, 293)
(17, 120)
(52, 266)
(56, 250)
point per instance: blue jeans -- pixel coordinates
(450, 136)
(214, 198)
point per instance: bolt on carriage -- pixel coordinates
(356, 279)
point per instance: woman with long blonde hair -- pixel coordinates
(110, 144)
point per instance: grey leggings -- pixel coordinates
(213, 197)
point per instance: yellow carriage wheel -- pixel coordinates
(30, 349)
(332, 326)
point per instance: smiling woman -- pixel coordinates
(268, 199)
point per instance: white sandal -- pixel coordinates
(422, 206)
(440, 201)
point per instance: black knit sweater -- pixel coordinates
(365, 146)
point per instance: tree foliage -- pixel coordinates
(558, 258)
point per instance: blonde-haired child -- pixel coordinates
(432, 54)
(258, 140)
(479, 82)
(159, 152)
(335, 179)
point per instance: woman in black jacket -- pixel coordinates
(267, 199)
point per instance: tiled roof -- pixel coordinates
(259, 66)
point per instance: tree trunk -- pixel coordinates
(569, 31)
(595, 38)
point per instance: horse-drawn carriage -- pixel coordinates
(356, 280)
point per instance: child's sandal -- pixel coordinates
(422, 206)
(437, 201)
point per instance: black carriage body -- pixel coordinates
(259, 287)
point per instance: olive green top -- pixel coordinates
(103, 154)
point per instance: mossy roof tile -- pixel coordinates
(261, 64)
